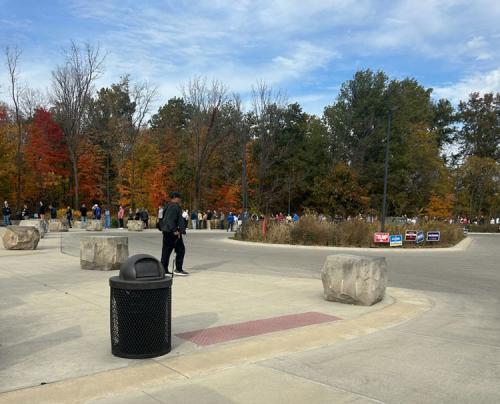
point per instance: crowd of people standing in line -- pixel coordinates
(209, 219)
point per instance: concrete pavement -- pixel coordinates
(447, 354)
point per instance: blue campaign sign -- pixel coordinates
(433, 235)
(396, 240)
(420, 236)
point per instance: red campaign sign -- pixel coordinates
(411, 235)
(381, 237)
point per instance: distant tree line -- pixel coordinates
(79, 143)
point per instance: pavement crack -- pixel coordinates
(172, 369)
(152, 397)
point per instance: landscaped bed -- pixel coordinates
(355, 233)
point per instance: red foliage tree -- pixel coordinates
(46, 159)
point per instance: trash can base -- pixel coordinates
(125, 355)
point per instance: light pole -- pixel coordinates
(386, 169)
(244, 195)
(289, 193)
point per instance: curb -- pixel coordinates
(460, 246)
(169, 370)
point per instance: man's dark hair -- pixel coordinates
(175, 195)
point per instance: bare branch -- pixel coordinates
(31, 100)
(72, 88)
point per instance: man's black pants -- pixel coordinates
(172, 242)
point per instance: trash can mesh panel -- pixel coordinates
(140, 322)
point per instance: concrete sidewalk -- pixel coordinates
(55, 344)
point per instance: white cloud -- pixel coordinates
(479, 47)
(301, 45)
(482, 83)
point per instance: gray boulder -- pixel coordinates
(103, 253)
(135, 225)
(39, 224)
(94, 225)
(354, 279)
(21, 238)
(56, 225)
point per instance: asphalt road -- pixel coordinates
(449, 354)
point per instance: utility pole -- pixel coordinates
(386, 171)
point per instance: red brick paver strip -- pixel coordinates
(224, 333)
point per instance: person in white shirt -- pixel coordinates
(160, 216)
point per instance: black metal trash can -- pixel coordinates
(141, 309)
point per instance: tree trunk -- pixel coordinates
(197, 190)
(108, 190)
(74, 166)
(132, 181)
(19, 162)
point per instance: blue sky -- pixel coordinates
(305, 48)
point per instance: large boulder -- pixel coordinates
(56, 225)
(135, 225)
(354, 279)
(21, 238)
(39, 224)
(94, 225)
(103, 253)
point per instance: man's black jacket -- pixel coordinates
(172, 219)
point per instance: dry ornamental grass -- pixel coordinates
(355, 233)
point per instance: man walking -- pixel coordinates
(6, 214)
(173, 227)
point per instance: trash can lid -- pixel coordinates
(142, 267)
(141, 271)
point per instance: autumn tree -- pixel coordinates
(12, 56)
(479, 134)
(478, 186)
(339, 193)
(268, 109)
(110, 120)
(206, 100)
(357, 124)
(72, 88)
(7, 153)
(141, 97)
(168, 130)
(46, 160)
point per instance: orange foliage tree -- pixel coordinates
(91, 174)
(440, 207)
(7, 153)
(153, 177)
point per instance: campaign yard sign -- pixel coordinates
(380, 237)
(396, 240)
(420, 236)
(433, 235)
(411, 235)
